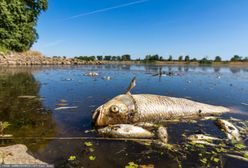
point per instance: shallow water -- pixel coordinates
(54, 85)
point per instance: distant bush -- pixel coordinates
(205, 61)
(187, 59)
(180, 58)
(217, 59)
(245, 59)
(86, 58)
(236, 58)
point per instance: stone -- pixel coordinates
(17, 154)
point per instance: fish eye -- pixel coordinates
(114, 109)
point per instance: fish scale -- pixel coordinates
(154, 107)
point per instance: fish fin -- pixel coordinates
(131, 86)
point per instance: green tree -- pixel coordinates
(18, 19)
(217, 59)
(170, 58)
(187, 59)
(180, 58)
(236, 58)
(245, 59)
(114, 58)
(107, 58)
(205, 61)
(99, 58)
(193, 60)
(126, 57)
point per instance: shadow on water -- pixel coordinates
(54, 85)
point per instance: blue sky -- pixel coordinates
(197, 28)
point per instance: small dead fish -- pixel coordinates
(125, 131)
(26, 97)
(107, 78)
(203, 143)
(209, 118)
(202, 137)
(91, 74)
(231, 131)
(245, 104)
(237, 157)
(3, 136)
(234, 119)
(65, 108)
(163, 134)
(146, 125)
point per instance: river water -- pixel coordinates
(35, 120)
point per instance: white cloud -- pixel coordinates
(106, 9)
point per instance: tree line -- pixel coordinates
(156, 57)
(125, 57)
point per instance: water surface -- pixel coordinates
(56, 85)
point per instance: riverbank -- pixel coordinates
(37, 58)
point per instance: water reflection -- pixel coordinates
(27, 116)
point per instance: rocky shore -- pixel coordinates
(36, 58)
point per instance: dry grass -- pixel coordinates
(31, 53)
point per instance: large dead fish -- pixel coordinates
(134, 108)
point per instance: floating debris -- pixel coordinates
(63, 101)
(6, 136)
(65, 108)
(71, 158)
(170, 73)
(92, 74)
(92, 158)
(88, 144)
(132, 165)
(62, 104)
(107, 78)
(67, 79)
(3, 126)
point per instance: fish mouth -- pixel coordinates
(97, 117)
